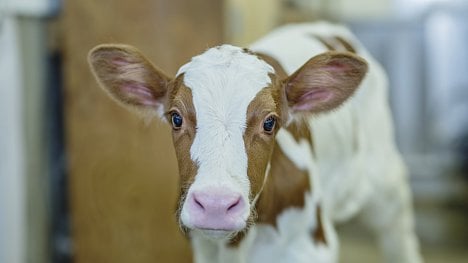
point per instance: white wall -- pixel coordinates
(348, 9)
(12, 163)
(361, 9)
(24, 199)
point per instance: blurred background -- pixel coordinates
(82, 180)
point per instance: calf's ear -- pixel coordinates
(324, 82)
(129, 78)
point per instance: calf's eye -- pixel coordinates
(176, 120)
(269, 124)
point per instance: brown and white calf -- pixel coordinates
(275, 143)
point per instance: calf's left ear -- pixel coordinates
(324, 82)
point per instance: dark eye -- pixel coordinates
(176, 120)
(269, 124)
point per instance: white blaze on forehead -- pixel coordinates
(223, 80)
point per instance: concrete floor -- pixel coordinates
(357, 245)
(366, 251)
(441, 218)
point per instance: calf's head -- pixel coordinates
(225, 107)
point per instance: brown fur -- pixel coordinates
(300, 131)
(335, 43)
(348, 47)
(276, 80)
(324, 42)
(180, 100)
(286, 187)
(279, 70)
(318, 235)
(258, 144)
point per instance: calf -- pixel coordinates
(275, 143)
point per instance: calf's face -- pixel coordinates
(225, 107)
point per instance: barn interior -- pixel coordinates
(83, 180)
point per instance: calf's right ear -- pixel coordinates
(129, 78)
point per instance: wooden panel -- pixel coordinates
(123, 174)
(247, 20)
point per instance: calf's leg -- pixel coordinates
(389, 214)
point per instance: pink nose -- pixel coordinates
(216, 210)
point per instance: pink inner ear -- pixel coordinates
(119, 61)
(140, 93)
(312, 98)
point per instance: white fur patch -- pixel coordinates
(224, 80)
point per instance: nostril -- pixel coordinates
(198, 204)
(231, 207)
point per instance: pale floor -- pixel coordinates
(365, 251)
(357, 245)
(441, 224)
